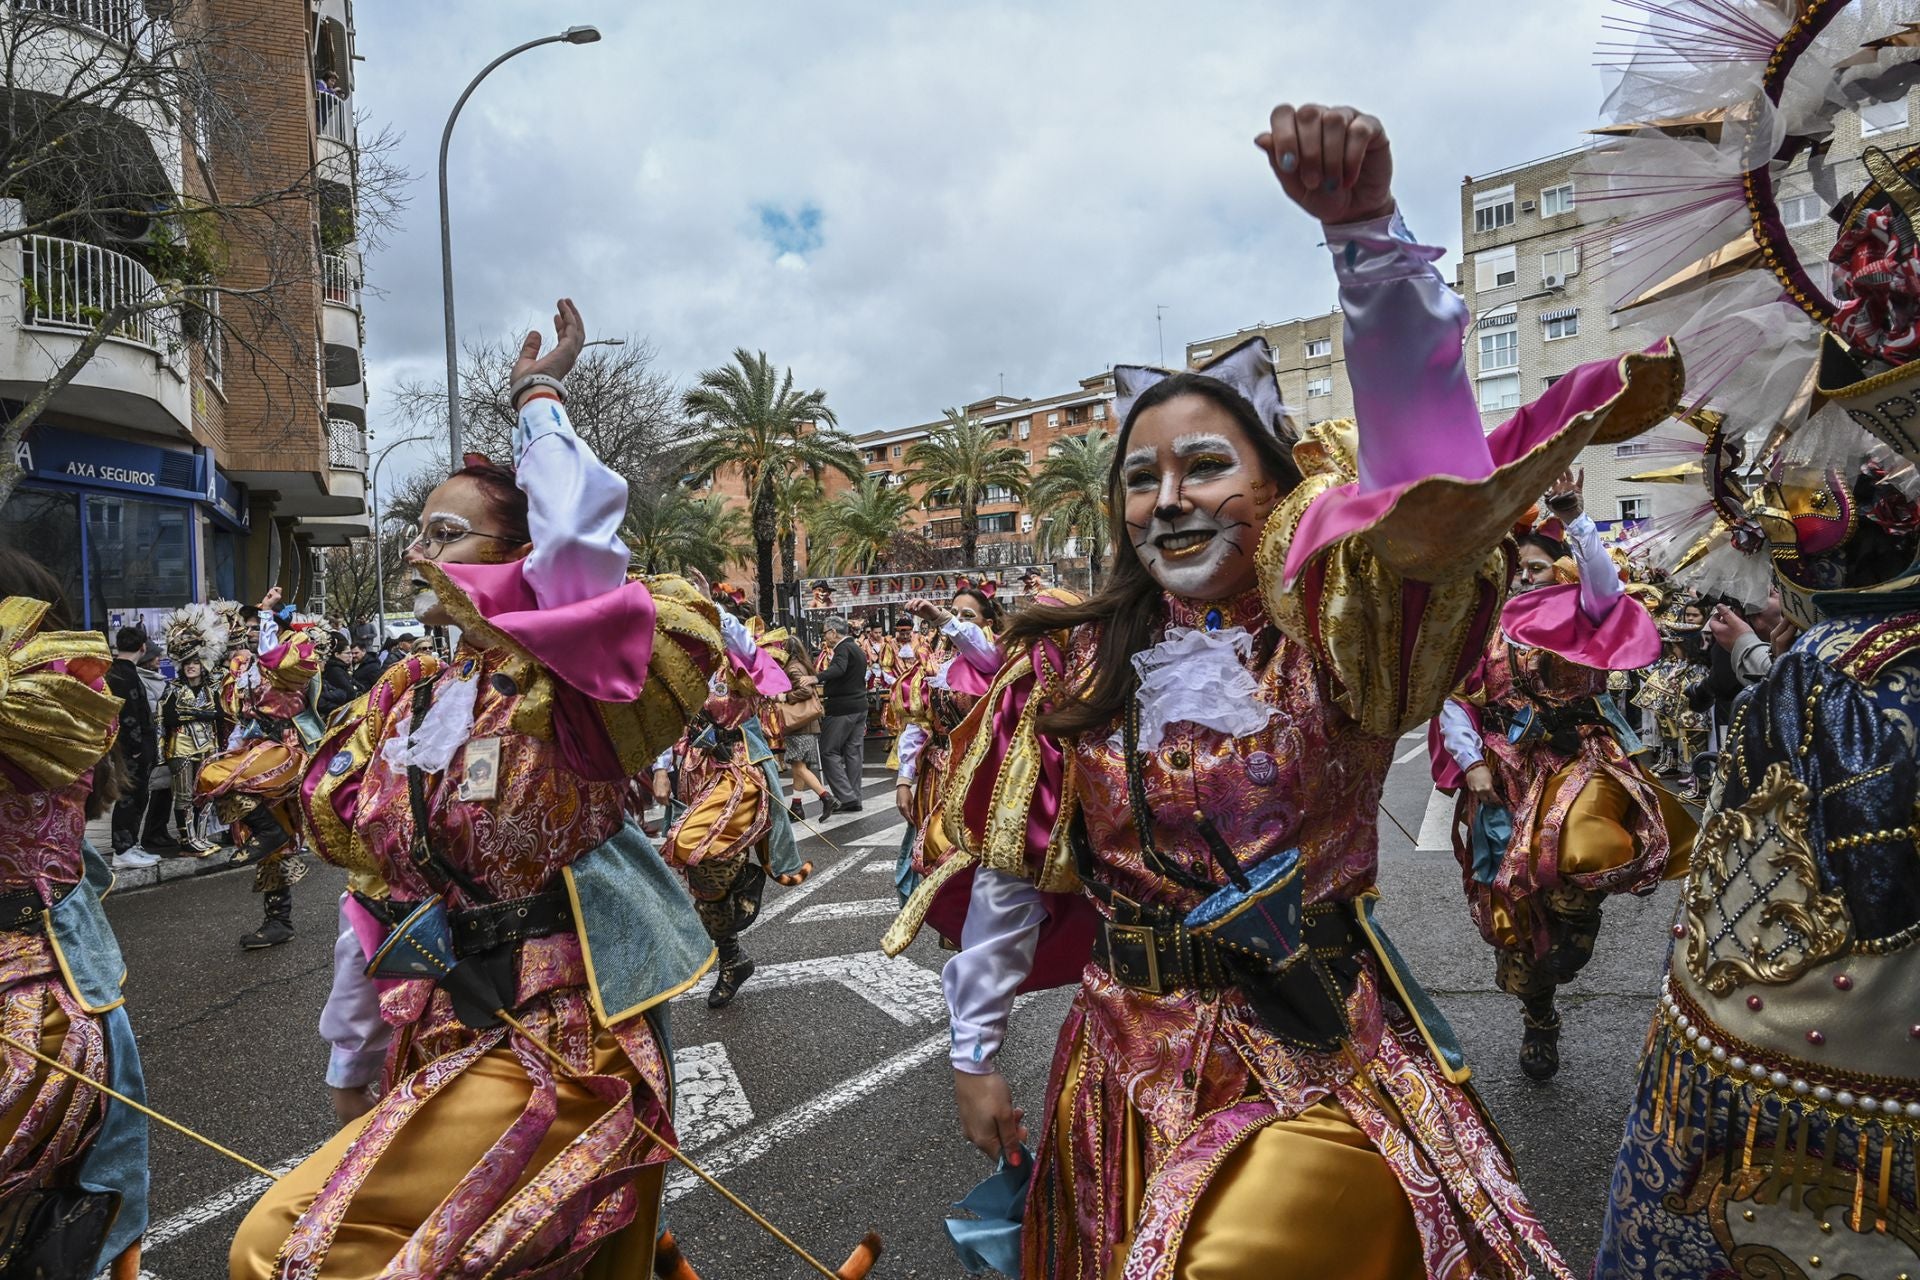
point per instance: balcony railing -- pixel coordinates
(73, 286)
(342, 280)
(346, 445)
(334, 116)
(118, 20)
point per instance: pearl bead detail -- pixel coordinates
(1844, 1098)
(1822, 1094)
(1737, 1062)
(1843, 981)
(1816, 1038)
(1800, 1087)
(1755, 1003)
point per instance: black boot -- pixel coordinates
(277, 928)
(1540, 1045)
(735, 968)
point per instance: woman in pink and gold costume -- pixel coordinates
(1168, 797)
(479, 806)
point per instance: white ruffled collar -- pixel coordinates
(1198, 676)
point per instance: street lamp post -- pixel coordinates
(379, 567)
(572, 35)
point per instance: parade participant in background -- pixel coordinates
(843, 685)
(1776, 1123)
(252, 783)
(479, 807)
(1186, 766)
(139, 748)
(930, 702)
(1554, 812)
(1665, 686)
(801, 710)
(73, 1164)
(154, 837)
(758, 660)
(196, 636)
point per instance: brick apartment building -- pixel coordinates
(201, 460)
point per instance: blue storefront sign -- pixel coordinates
(60, 456)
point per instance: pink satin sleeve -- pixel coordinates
(997, 943)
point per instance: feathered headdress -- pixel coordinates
(1801, 364)
(234, 615)
(195, 632)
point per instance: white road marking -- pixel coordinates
(1436, 829)
(751, 1145)
(792, 898)
(1408, 755)
(848, 910)
(872, 867)
(708, 1102)
(894, 985)
(237, 1196)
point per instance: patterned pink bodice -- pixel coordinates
(543, 814)
(1311, 779)
(1547, 677)
(40, 835)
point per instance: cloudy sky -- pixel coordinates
(906, 201)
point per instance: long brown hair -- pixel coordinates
(21, 575)
(1128, 607)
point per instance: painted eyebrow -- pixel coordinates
(1137, 458)
(449, 516)
(1202, 442)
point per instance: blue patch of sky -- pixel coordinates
(797, 231)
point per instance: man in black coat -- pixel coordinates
(338, 686)
(139, 747)
(366, 666)
(843, 733)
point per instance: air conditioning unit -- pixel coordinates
(1526, 206)
(1554, 280)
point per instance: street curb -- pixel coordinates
(170, 869)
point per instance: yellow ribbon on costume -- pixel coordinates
(57, 717)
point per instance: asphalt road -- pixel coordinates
(821, 1095)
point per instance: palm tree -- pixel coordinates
(795, 493)
(674, 530)
(1069, 496)
(962, 458)
(860, 531)
(758, 426)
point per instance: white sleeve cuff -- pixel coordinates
(996, 954)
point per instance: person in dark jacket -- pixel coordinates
(366, 666)
(139, 747)
(843, 732)
(337, 684)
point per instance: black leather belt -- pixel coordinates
(21, 910)
(1158, 956)
(482, 929)
(498, 924)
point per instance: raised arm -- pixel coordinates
(975, 647)
(575, 502)
(1600, 588)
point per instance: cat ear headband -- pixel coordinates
(1247, 368)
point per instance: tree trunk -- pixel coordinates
(765, 532)
(969, 533)
(789, 556)
(1093, 563)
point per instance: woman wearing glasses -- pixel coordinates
(929, 702)
(478, 804)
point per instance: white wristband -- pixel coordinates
(532, 380)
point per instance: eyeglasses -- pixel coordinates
(439, 534)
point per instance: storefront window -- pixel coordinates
(223, 561)
(139, 554)
(46, 527)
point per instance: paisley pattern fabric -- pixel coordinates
(1543, 785)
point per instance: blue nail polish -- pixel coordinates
(1289, 162)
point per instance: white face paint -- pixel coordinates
(1190, 512)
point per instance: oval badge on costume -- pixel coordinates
(503, 684)
(341, 762)
(1261, 769)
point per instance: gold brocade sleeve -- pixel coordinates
(687, 647)
(353, 736)
(57, 718)
(1395, 645)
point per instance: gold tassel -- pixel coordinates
(1753, 1131)
(1662, 1059)
(1886, 1180)
(1859, 1179)
(1829, 1147)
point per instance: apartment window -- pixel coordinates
(1801, 211)
(1001, 522)
(1026, 428)
(214, 341)
(1502, 392)
(1496, 268)
(898, 450)
(1026, 455)
(1053, 420)
(1556, 325)
(1053, 451)
(1632, 448)
(1635, 508)
(1555, 201)
(1100, 411)
(997, 493)
(1550, 379)
(1319, 348)
(1499, 350)
(1319, 386)
(1493, 209)
(1559, 263)
(1026, 524)
(1883, 117)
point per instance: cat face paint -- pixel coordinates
(1195, 498)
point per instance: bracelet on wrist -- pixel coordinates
(522, 386)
